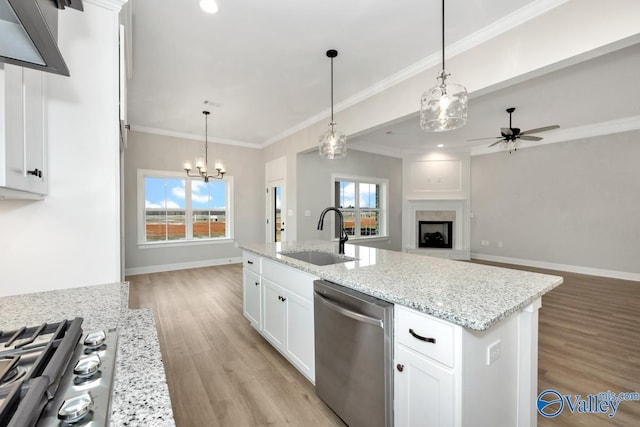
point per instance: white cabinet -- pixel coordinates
(23, 150)
(274, 313)
(288, 314)
(285, 312)
(252, 298)
(288, 325)
(300, 345)
(424, 370)
(423, 391)
(448, 375)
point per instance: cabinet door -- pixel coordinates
(300, 342)
(273, 310)
(25, 153)
(251, 298)
(423, 391)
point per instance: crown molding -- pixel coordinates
(502, 25)
(164, 132)
(114, 5)
(624, 124)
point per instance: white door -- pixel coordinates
(276, 212)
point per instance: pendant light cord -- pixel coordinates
(206, 142)
(443, 68)
(331, 93)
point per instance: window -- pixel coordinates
(174, 208)
(363, 203)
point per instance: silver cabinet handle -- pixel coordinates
(352, 314)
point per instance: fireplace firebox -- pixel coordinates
(435, 234)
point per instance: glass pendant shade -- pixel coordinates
(332, 144)
(443, 107)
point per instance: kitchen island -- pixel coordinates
(140, 394)
(478, 362)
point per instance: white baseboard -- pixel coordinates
(181, 266)
(560, 267)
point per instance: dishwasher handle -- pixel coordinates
(349, 313)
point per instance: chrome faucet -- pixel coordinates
(343, 234)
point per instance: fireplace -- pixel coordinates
(435, 234)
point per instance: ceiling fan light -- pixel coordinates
(332, 144)
(444, 107)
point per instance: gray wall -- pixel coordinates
(147, 151)
(314, 191)
(573, 203)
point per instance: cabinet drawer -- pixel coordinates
(252, 262)
(289, 278)
(411, 326)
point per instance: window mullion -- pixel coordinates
(357, 232)
(188, 210)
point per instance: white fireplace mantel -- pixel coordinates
(437, 181)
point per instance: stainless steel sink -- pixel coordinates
(318, 258)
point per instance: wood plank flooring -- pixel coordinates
(221, 372)
(589, 342)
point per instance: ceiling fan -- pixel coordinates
(511, 136)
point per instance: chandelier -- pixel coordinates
(203, 163)
(443, 107)
(332, 143)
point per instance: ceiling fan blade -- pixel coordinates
(538, 130)
(484, 139)
(496, 143)
(530, 138)
(506, 131)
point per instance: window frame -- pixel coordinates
(188, 240)
(383, 209)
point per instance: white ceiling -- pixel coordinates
(262, 67)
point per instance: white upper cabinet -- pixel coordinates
(23, 149)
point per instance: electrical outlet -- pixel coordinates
(494, 351)
(307, 213)
(500, 244)
(484, 243)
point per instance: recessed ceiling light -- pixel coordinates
(209, 6)
(440, 145)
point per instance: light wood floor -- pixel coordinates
(589, 342)
(222, 373)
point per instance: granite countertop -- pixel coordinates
(140, 393)
(470, 295)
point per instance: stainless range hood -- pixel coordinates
(28, 33)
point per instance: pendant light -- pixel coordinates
(203, 163)
(443, 107)
(332, 143)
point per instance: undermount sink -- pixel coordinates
(318, 258)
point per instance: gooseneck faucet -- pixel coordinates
(343, 234)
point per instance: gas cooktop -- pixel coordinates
(53, 375)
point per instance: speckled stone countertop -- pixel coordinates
(140, 396)
(470, 295)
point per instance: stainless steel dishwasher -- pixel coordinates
(354, 354)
